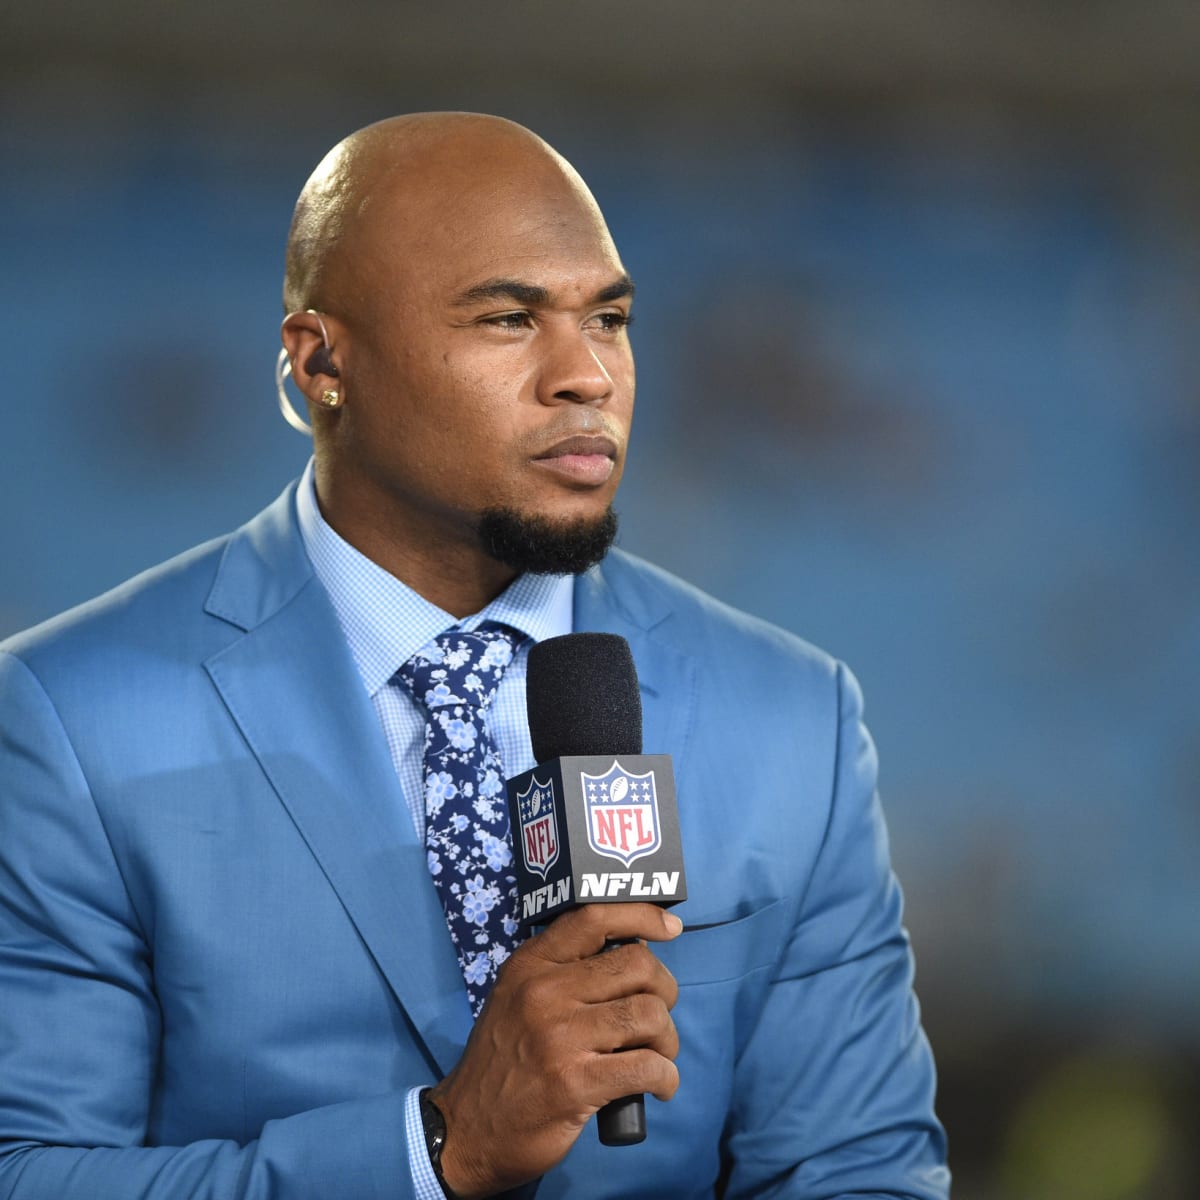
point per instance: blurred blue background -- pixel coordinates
(918, 337)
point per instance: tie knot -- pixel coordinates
(459, 668)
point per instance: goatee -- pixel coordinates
(540, 546)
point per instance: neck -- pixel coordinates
(445, 565)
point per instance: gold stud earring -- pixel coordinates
(330, 398)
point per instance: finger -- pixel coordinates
(572, 997)
(633, 1021)
(611, 1076)
(621, 971)
(583, 931)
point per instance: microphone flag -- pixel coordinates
(595, 828)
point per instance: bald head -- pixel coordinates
(410, 178)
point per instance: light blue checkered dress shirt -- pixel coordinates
(386, 623)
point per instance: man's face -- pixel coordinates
(488, 363)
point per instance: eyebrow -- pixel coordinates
(534, 295)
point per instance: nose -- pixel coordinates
(573, 373)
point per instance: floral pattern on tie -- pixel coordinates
(469, 849)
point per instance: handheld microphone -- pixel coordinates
(595, 821)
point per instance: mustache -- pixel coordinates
(597, 435)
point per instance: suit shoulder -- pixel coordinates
(704, 624)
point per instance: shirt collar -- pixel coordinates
(386, 622)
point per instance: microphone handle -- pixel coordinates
(622, 1122)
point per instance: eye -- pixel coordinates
(519, 319)
(611, 322)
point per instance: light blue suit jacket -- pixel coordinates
(222, 962)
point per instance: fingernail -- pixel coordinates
(673, 923)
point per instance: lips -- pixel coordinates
(583, 445)
(582, 459)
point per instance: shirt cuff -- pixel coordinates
(425, 1183)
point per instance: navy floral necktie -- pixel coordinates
(466, 819)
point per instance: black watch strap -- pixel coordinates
(434, 1125)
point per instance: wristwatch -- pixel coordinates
(434, 1125)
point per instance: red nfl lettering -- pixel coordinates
(541, 846)
(622, 827)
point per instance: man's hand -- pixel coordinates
(565, 1030)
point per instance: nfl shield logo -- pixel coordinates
(539, 830)
(622, 811)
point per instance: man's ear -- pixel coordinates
(305, 337)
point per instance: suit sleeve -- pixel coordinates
(835, 1084)
(80, 1025)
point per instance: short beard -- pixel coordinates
(540, 546)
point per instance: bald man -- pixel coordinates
(228, 967)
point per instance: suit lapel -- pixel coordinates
(606, 601)
(293, 689)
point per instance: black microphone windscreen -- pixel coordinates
(581, 691)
